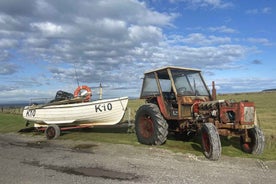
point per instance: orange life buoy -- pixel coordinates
(86, 88)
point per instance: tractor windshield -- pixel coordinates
(150, 87)
(189, 83)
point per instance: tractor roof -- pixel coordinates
(172, 67)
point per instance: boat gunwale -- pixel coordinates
(73, 105)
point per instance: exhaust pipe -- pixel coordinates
(214, 91)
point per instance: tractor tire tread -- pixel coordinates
(214, 139)
(160, 125)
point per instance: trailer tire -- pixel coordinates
(150, 126)
(52, 132)
(210, 141)
(257, 144)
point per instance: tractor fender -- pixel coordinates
(162, 107)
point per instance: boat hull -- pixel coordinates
(101, 112)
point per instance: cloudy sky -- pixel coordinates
(48, 45)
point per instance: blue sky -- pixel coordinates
(44, 43)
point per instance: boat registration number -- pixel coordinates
(103, 107)
(30, 113)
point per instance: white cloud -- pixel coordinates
(265, 10)
(226, 85)
(48, 28)
(4, 55)
(111, 24)
(199, 39)
(45, 9)
(8, 68)
(219, 4)
(8, 20)
(8, 43)
(222, 29)
(145, 34)
(216, 29)
(263, 41)
(252, 11)
(25, 95)
(36, 42)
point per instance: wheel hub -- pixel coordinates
(51, 132)
(206, 142)
(146, 126)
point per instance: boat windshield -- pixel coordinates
(189, 83)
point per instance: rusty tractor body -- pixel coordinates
(178, 100)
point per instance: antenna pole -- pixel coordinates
(76, 75)
(101, 92)
(214, 91)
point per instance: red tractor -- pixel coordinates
(178, 100)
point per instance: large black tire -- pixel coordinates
(257, 144)
(52, 132)
(210, 141)
(150, 126)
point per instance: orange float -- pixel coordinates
(86, 88)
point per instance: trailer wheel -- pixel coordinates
(210, 141)
(150, 126)
(52, 132)
(256, 146)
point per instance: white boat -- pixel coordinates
(68, 111)
(100, 112)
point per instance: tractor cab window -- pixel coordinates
(150, 87)
(189, 83)
(166, 85)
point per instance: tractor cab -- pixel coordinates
(175, 90)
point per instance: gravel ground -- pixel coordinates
(26, 159)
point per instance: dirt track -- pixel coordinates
(26, 159)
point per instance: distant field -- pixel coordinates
(12, 121)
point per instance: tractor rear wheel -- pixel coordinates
(52, 132)
(210, 141)
(256, 146)
(150, 126)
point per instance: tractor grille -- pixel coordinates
(249, 114)
(186, 110)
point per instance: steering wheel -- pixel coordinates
(181, 90)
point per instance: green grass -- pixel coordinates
(265, 105)
(132, 107)
(98, 135)
(11, 122)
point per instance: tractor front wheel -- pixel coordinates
(210, 141)
(150, 126)
(257, 143)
